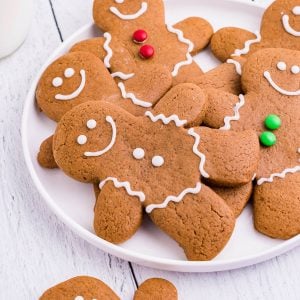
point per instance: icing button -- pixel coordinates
(157, 161)
(138, 153)
(140, 36)
(146, 51)
(268, 139)
(272, 122)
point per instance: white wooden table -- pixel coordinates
(37, 250)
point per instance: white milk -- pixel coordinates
(15, 17)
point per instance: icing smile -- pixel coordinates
(278, 88)
(76, 93)
(110, 120)
(286, 22)
(140, 12)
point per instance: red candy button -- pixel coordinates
(140, 36)
(146, 51)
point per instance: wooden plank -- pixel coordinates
(36, 249)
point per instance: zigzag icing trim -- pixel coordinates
(246, 49)
(108, 50)
(176, 199)
(122, 75)
(236, 116)
(238, 67)
(279, 175)
(166, 120)
(124, 184)
(182, 39)
(202, 157)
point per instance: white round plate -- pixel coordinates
(73, 202)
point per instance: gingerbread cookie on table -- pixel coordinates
(280, 28)
(271, 80)
(90, 288)
(155, 163)
(139, 27)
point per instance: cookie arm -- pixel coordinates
(225, 41)
(197, 30)
(201, 224)
(45, 156)
(231, 158)
(117, 214)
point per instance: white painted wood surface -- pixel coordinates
(37, 250)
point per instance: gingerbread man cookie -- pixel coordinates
(280, 28)
(271, 80)
(154, 163)
(90, 288)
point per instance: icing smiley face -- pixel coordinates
(58, 82)
(132, 16)
(282, 66)
(286, 22)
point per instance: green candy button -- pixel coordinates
(272, 122)
(268, 139)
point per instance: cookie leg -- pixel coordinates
(225, 41)
(188, 74)
(236, 197)
(45, 156)
(117, 214)
(277, 207)
(197, 30)
(201, 224)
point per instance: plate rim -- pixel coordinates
(118, 251)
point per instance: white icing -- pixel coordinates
(132, 97)
(140, 12)
(236, 116)
(91, 124)
(202, 157)
(122, 75)
(82, 139)
(119, 1)
(281, 66)
(279, 175)
(69, 72)
(165, 120)
(108, 50)
(57, 81)
(77, 92)
(176, 199)
(296, 10)
(246, 49)
(181, 38)
(126, 185)
(238, 66)
(278, 88)
(138, 153)
(157, 161)
(288, 28)
(295, 70)
(254, 176)
(110, 120)
(78, 298)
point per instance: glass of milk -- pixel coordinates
(15, 17)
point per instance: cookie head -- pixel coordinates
(282, 21)
(112, 15)
(278, 71)
(73, 79)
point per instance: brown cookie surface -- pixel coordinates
(45, 155)
(80, 288)
(156, 288)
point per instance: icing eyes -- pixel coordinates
(296, 10)
(138, 153)
(69, 72)
(295, 69)
(91, 124)
(119, 1)
(82, 139)
(57, 82)
(157, 161)
(281, 66)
